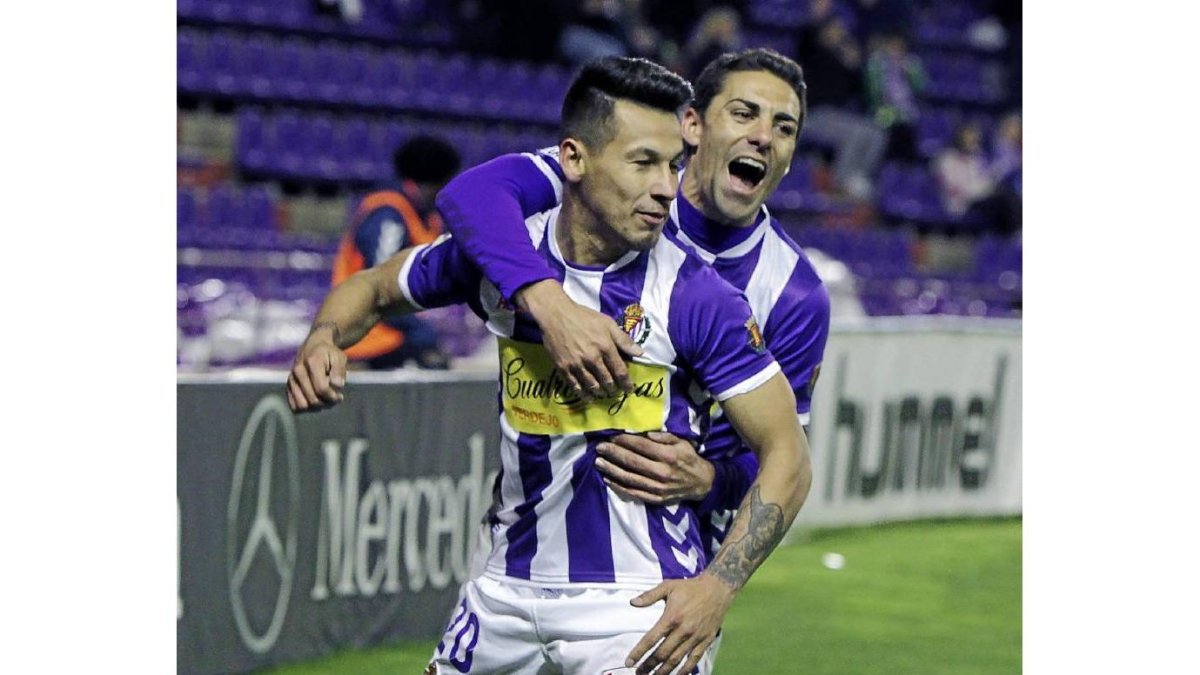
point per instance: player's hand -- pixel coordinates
(318, 374)
(658, 468)
(586, 346)
(689, 624)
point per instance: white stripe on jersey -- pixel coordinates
(548, 172)
(512, 492)
(631, 546)
(536, 226)
(550, 560)
(776, 262)
(408, 263)
(749, 384)
(661, 272)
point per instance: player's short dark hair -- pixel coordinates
(426, 159)
(588, 106)
(712, 78)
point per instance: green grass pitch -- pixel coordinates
(923, 598)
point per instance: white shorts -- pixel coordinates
(510, 629)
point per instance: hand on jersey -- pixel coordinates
(689, 623)
(658, 468)
(318, 375)
(586, 346)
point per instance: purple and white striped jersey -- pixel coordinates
(556, 522)
(781, 285)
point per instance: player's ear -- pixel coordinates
(692, 126)
(572, 157)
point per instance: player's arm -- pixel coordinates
(485, 209)
(765, 417)
(351, 309)
(661, 468)
(416, 278)
(717, 336)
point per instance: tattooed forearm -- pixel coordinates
(761, 527)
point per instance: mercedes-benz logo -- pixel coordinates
(270, 426)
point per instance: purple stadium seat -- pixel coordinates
(222, 207)
(353, 150)
(251, 140)
(320, 148)
(355, 75)
(378, 79)
(187, 8)
(286, 154)
(187, 212)
(256, 69)
(223, 52)
(257, 12)
(327, 72)
(258, 209)
(398, 79)
(292, 71)
(291, 13)
(190, 53)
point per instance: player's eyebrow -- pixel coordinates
(755, 108)
(643, 151)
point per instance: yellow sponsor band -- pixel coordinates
(538, 400)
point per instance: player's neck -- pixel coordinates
(583, 239)
(691, 190)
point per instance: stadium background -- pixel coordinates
(288, 111)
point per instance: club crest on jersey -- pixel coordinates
(756, 340)
(635, 323)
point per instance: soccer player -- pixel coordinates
(744, 123)
(576, 569)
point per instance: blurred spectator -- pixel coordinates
(1006, 153)
(833, 64)
(718, 31)
(969, 186)
(895, 78)
(596, 29)
(399, 215)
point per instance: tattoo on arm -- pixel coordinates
(761, 527)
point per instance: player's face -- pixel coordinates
(630, 182)
(745, 141)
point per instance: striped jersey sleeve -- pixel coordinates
(439, 274)
(485, 208)
(716, 334)
(796, 321)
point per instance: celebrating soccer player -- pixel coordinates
(577, 567)
(744, 123)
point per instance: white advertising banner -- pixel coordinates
(916, 418)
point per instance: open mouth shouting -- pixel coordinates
(746, 174)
